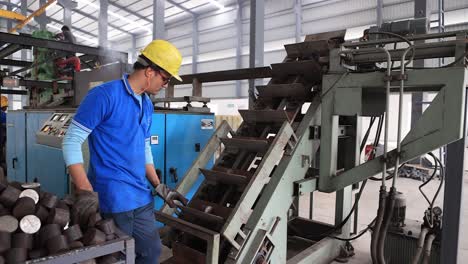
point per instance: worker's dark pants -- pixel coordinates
(140, 224)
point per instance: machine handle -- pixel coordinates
(13, 162)
(173, 172)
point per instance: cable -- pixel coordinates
(430, 178)
(357, 236)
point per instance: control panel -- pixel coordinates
(51, 133)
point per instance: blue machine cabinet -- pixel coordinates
(177, 138)
(16, 146)
(28, 161)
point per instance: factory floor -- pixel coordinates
(367, 209)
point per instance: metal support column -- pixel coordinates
(298, 13)
(453, 198)
(42, 20)
(133, 51)
(158, 19)
(24, 53)
(103, 23)
(68, 6)
(239, 45)
(257, 21)
(379, 12)
(195, 44)
(421, 10)
(159, 32)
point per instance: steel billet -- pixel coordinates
(48, 232)
(73, 233)
(8, 223)
(59, 216)
(22, 240)
(32, 185)
(93, 237)
(107, 226)
(57, 244)
(37, 253)
(9, 196)
(49, 200)
(42, 213)
(5, 241)
(31, 194)
(30, 224)
(24, 206)
(16, 255)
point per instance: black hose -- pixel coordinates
(378, 223)
(390, 204)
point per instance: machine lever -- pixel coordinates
(173, 172)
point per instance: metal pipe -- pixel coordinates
(400, 111)
(428, 249)
(383, 191)
(412, 38)
(419, 250)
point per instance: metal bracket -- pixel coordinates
(314, 132)
(305, 186)
(396, 77)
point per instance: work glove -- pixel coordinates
(86, 204)
(170, 196)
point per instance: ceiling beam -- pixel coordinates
(96, 19)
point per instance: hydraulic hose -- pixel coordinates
(390, 204)
(383, 189)
(419, 250)
(378, 223)
(428, 249)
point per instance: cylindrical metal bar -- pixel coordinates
(57, 244)
(107, 226)
(5, 241)
(24, 206)
(8, 223)
(411, 38)
(16, 255)
(93, 237)
(400, 113)
(422, 51)
(22, 240)
(30, 224)
(73, 233)
(9, 196)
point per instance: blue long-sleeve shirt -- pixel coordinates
(76, 136)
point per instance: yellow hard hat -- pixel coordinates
(4, 101)
(165, 55)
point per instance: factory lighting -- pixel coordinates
(217, 4)
(76, 35)
(111, 13)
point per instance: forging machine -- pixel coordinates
(246, 209)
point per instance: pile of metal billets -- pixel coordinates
(37, 226)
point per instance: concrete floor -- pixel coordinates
(324, 211)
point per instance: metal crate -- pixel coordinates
(125, 244)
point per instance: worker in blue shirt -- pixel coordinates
(116, 117)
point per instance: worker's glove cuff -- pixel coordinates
(171, 197)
